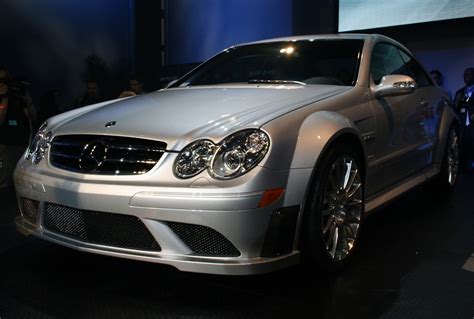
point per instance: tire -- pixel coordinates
(447, 177)
(335, 209)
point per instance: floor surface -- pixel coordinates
(409, 265)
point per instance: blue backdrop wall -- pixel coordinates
(46, 41)
(197, 30)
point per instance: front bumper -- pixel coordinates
(232, 214)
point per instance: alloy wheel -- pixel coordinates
(452, 159)
(342, 207)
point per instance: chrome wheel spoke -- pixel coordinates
(452, 157)
(341, 207)
(328, 224)
(355, 202)
(330, 236)
(347, 175)
(335, 238)
(351, 179)
(353, 191)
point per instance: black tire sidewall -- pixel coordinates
(314, 246)
(441, 181)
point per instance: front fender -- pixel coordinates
(317, 132)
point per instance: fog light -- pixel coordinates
(270, 196)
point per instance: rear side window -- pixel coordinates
(386, 60)
(416, 70)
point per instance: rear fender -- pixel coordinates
(448, 118)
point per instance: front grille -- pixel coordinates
(203, 240)
(106, 155)
(30, 209)
(108, 229)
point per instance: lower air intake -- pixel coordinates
(204, 241)
(123, 231)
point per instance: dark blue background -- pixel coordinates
(196, 30)
(46, 41)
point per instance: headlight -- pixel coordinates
(194, 158)
(234, 156)
(39, 146)
(239, 153)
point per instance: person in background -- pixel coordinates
(135, 87)
(91, 96)
(50, 105)
(464, 107)
(17, 121)
(439, 79)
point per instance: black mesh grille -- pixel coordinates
(203, 240)
(30, 209)
(106, 155)
(116, 230)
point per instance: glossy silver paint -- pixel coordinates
(399, 143)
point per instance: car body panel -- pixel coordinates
(401, 138)
(214, 112)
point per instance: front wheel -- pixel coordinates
(335, 209)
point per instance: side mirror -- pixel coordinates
(395, 84)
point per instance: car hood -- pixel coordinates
(181, 115)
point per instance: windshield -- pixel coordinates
(333, 62)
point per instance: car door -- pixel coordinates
(401, 137)
(431, 102)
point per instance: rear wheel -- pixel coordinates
(448, 175)
(335, 209)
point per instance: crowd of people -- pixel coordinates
(463, 104)
(17, 122)
(464, 107)
(19, 117)
(93, 93)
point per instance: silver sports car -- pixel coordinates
(267, 152)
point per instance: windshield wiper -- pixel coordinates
(259, 81)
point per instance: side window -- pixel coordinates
(386, 60)
(416, 70)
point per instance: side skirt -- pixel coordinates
(380, 200)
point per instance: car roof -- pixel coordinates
(316, 37)
(355, 36)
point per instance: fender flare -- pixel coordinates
(317, 134)
(448, 118)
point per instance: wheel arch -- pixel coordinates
(448, 120)
(343, 137)
(318, 134)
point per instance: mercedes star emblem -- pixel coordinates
(92, 156)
